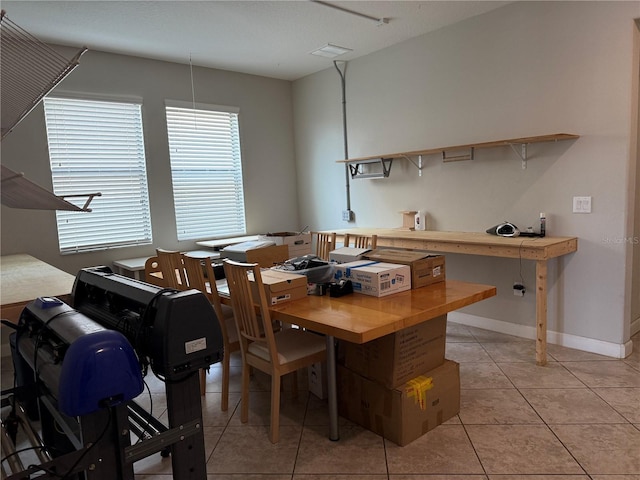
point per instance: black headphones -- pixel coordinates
(504, 229)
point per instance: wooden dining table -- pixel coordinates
(361, 318)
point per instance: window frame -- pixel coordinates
(196, 205)
(119, 147)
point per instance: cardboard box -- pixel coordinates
(299, 243)
(425, 268)
(404, 414)
(317, 373)
(282, 286)
(348, 254)
(375, 278)
(396, 358)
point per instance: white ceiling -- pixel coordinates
(264, 37)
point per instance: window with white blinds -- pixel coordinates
(98, 146)
(206, 169)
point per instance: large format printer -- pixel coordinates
(78, 371)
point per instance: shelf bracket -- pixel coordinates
(357, 172)
(522, 153)
(458, 158)
(417, 164)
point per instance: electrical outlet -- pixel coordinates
(581, 204)
(518, 289)
(347, 215)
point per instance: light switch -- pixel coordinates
(581, 204)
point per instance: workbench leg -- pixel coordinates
(541, 312)
(332, 389)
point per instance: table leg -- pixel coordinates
(332, 389)
(541, 312)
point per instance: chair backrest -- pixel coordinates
(267, 257)
(360, 241)
(200, 275)
(172, 268)
(250, 307)
(325, 242)
(151, 271)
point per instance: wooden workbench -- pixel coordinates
(474, 243)
(24, 278)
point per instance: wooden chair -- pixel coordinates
(172, 268)
(325, 242)
(200, 276)
(275, 353)
(267, 257)
(152, 272)
(360, 241)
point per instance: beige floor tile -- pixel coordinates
(444, 450)
(304, 476)
(488, 336)
(633, 360)
(511, 352)
(605, 374)
(437, 477)
(292, 410)
(565, 354)
(482, 375)
(244, 476)
(539, 477)
(247, 449)
(626, 401)
(212, 415)
(571, 405)
(459, 333)
(358, 451)
(466, 352)
(521, 449)
(495, 407)
(610, 449)
(318, 413)
(530, 375)
(615, 477)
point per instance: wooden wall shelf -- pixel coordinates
(448, 156)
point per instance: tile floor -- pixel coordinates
(576, 418)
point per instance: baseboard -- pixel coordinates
(600, 347)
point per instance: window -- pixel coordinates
(98, 146)
(206, 169)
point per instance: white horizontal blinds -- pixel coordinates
(206, 168)
(98, 146)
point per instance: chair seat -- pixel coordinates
(292, 344)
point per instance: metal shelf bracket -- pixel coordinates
(458, 158)
(522, 153)
(357, 172)
(417, 164)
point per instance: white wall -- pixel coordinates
(267, 149)
(529, 68)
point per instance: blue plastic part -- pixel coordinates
(99, 370)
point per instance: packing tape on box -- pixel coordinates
(417, 388)
(348, 272)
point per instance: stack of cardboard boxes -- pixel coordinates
(401, 386)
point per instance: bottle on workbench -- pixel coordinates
(420, 221)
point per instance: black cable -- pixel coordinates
(140, 439)
(84, 454)
(26, 449)
(520, 255)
